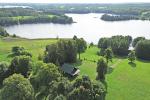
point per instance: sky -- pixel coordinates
(72, 1)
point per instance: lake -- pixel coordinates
(88, 26)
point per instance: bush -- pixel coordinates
(18, 51)
(142, 50)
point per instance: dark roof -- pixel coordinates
(70, 69)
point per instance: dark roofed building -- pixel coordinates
(70, 69)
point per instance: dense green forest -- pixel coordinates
(13, 16)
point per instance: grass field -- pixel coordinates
(29, 17)
(35, 47)
(124, 81)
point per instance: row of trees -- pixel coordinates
(119, 44)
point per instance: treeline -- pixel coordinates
(6, 21)
(120, 46)
(121, 9)
(107, 17)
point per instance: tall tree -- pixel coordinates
(43, 77)
(101, 69)
(81, 45)
(108, 54)
(131, 56)
(16, 87)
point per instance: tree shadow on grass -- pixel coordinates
(11, 55)
(144, 61)
(132, 64)
(110, 70)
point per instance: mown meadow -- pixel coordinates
(125, 81)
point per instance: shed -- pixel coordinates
(70, 69)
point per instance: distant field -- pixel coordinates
(124, 81)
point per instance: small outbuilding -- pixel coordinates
(70, 69)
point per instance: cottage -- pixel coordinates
(70, 69)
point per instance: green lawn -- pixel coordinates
(36, 47)
(124, 81)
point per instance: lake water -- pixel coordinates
(88, 26)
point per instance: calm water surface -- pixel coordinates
(88, 26)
